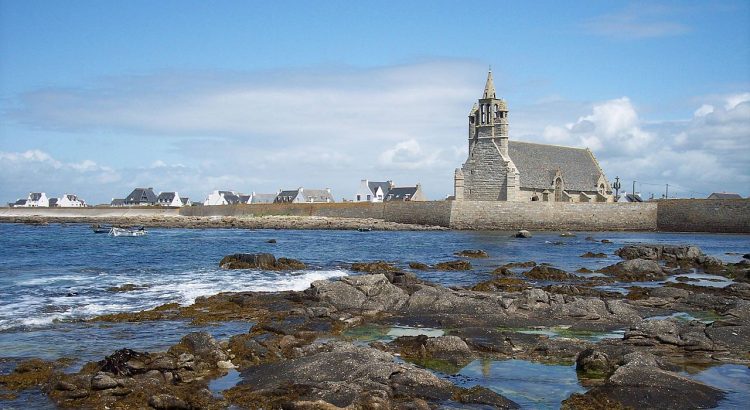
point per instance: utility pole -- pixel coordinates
(666, 195)
(633, 193)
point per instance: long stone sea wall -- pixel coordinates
(678, 215)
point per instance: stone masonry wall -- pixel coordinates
(485, 173)
(341, 210)
(553, 216)
(704, 215)
(416, 212)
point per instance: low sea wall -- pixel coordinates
(704, 215)
(339, 209)
(552, 216)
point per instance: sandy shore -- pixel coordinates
(263, 222)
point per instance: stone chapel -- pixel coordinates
(498, 169)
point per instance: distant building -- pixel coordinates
(70, 201)
(117, 202)
(53, 203)
(141, 197)
(626, 197)
(245, 199)
(21, 203)
(408, 193)
(301, 195)
(724, 195)
(262, 198)
(498, 169)
(170, 199)
(371, 191)
(186, 201)
(222, 198)
(37, 199)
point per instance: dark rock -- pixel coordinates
(167, 402)
(590, 239)
(606, 241)
(453, 266)
(473, 253)
(544, 272)
(265, 261)
(29, 373)
(502, 271)
(103, 381)
(746, 256)
(584, 270)
(374, 267)
(124, 362)
(503, 284)
(568, 235)
(271, 241)
(593, 363)
(483, 395)
(635, 270)
(513, 265)
(127, 287)
(522, 234)
(202, 346)
(63, 385)
(594, 255)
(418, 266)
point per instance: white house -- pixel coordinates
(371, 191)
(301, 195)
(169, 199)
(36, 199)
(70, 201)
(222, 198)
(626, 197)
(262, 198)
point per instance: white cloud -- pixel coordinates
(637, 21)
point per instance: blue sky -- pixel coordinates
(97, 97)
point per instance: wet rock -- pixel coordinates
(271, 241)
(746, 256)
(544, 272)
(453, 266)
(584, 270)
(364, 293)
(502, 271)
(374, 267)
(483, 395)
(265, 261)
(167, 402)
(103, 381)
(401, 278)
(594, 255)
(503, 284)
(29, 373)
(636, 385)
(124, 362)
(127, 287)
(568, 235)
(63, 385)
(513, 265)
(473, 253)
(691, 256)
(418, 266)
(522, 234)
(689, 336)
(593, 363)
(635, 270)
(201, 345)
(606, 241)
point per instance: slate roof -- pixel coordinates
(539, 163)
(184, 200)
(724, 195)
(52, 202)
(72, 197)
(166, 197)
(230, 197)
(141, 196)
(20, 202)
(385, 186)
(244, 199)
(117, 202)
(263, 198)
(35, 196)
(317, 195)
(400, 193)
(282, 196)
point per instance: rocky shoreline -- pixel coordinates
(249, 222)
(300, 354)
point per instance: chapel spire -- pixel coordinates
(489, 87)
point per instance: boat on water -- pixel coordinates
(135, 231)
(101, 228)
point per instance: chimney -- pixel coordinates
(328, 190)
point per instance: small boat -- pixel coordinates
(101, 228)
(136, 231)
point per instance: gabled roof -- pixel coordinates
(141, 195)
(117, 202)
(539, 163)
(282, 196)
(71, 197)
(231, 197)
(20, 202)
(317, 195)
(35, 196)
(401, 193)
(166, 197)
(244, 199)
(263, 198)
(52, 201)
(385, 186)
(184, 199)
(724, 195)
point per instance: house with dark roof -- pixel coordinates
(37, 199)
(372, 191)
(53, 203)
(498, 169)
(21, 203)
(724, 195)
(222, 198)
(262, 198)
(117, 202)
(407, 193)
(141, 197)
(70, 201)
(301, 195)
(169, 199)
(629, 197)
